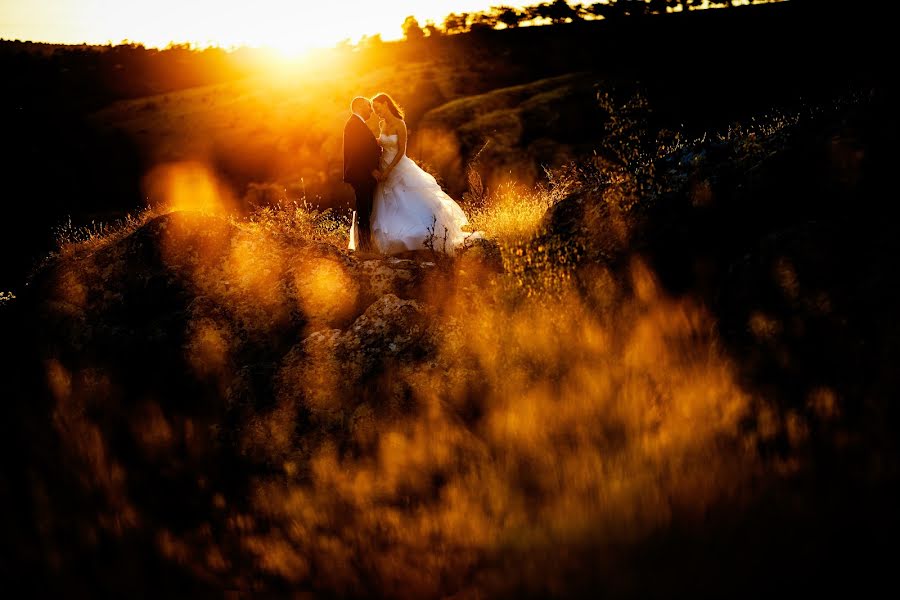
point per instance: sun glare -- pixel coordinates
(292, 27)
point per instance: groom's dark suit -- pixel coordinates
(361, 155)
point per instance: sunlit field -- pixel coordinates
(667, 368)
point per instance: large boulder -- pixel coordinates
(329, 371)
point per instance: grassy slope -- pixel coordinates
(270, 128)
(517, 130)
(263, 130)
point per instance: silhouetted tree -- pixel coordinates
(411, 29)
(431, 30)
(482, 21)
(529, 13)
(580, 10)
(456, 22)
(607, 10)
(508, 16)
(559, 11)
(657, 6)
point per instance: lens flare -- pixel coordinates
(188, 186)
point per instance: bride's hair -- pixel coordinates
(392, 106)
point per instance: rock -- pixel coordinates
(389, 329)
(311, 373)
(328, 371)
(245, 322)
(400, 277)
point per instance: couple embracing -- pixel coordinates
(399, 206)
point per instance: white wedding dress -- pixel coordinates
(410, 207)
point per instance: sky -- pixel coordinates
(289, 25)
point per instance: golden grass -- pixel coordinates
(512, 213)
(603, 417)
(73, 240)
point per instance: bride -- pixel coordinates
(410, 211)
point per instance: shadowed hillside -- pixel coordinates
(664, 373)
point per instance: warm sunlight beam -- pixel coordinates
(291, 26)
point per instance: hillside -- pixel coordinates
(272, 128)
(516, 131)
(283, 124)
(88, 132)
(678, 379)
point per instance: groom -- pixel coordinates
(361, 156)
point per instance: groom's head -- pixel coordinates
(362, 107)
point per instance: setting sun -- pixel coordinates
(290, 26)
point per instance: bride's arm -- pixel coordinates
(377, 173)
(401, 148)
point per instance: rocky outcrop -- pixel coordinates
(243, 320)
